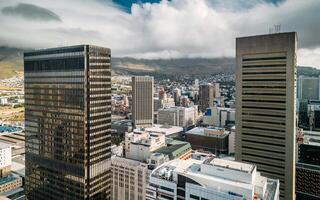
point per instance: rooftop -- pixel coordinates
(216, 132)
(174, 148)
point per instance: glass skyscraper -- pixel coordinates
(68, 123)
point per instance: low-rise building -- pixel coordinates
(178, 116)
(210, 178)
(176, 149)
(212, 139)
(167, 130)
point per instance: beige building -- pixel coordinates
(142, 101)
(129, 179)
(265, 117)
(178, 116)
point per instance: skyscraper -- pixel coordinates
(265, 106)
(207, 94)
(142, 101)
(308, 88)
(68, 123)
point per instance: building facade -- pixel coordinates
(68, 123)
(265, 105)
(5, 159)
(142, 101)
(308, 172)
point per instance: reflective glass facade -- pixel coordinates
(68, 123)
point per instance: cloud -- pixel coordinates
(170, 29)
(30, 12)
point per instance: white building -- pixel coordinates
(219, 116)
(178, 116)
(167, 130)
(3, 100)
(211, 178)
(5, 159)
(139, 144)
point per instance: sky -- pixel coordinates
(159, 28)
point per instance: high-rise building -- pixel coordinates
(207, 95)
(308, 88)
(265, 106)
(308, 172)
(210, 178)
(142, 101)
(176, 96)
(68, 123)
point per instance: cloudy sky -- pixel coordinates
(159, 29)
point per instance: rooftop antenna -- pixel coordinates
(270, 30)
(277, 28)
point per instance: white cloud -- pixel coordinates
(179, 28)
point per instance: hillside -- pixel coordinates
(11, 65)
(10, 62)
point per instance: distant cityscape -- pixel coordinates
(73, 129)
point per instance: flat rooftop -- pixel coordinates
(165, 129)
(233, 165)
(215, 132)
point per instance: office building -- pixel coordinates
(68, 123)
(210, 139)
(265, 105)
(308, 88)
(178, 116)
(219, 116)
(308, 172)
(210, 178)
(207, 94)
(142, 101)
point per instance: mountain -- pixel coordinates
(191, 66)
(11, 64)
